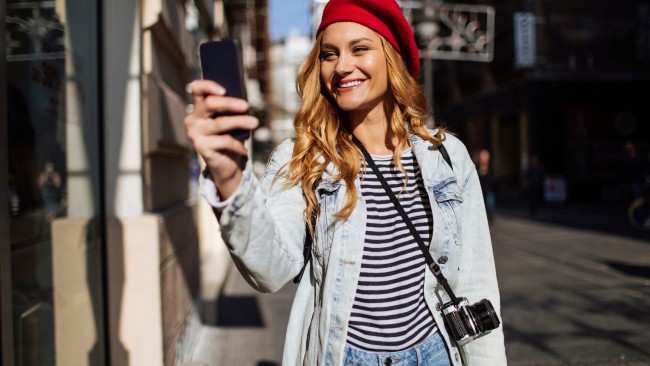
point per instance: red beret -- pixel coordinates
(382, 16)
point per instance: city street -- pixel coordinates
(569, 297)
(572, 296)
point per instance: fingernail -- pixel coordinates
(219, 90)
(188, 88)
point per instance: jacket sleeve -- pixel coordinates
(478, 280)
(263, 225)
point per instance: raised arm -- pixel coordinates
(263, 226)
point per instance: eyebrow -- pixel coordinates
(351, 43)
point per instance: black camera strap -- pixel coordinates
(431, 263)
(306, 250)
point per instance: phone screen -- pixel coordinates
(221, 61)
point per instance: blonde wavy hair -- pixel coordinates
(324, 135)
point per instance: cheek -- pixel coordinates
(325, 76)
(384, 78)
(326, 71)
(378, 69)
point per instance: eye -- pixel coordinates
(359, 49)
(327, 56)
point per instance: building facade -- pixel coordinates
(107, 257)
(568, 83)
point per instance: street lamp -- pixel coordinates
(426, 30)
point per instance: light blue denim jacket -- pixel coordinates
(264, 229)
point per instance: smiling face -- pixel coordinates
(353, 67)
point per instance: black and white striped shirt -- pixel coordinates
(389, 312)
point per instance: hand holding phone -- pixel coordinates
(221, 61)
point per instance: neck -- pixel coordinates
(371, 128)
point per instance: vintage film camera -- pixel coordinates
(468, 322)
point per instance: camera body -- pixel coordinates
(468, 322)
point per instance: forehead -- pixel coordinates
(344, 32)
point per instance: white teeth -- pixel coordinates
(350, 84)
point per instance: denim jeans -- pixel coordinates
(431, 352)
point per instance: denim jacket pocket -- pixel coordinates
(449, 199)
(326, 194)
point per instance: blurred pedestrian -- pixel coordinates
(635, 171)
(487, 182)
(534, 184)
(366, 296)
(13, 197)
(49, 181)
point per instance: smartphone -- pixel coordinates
(221, 61)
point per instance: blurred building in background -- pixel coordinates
(106, 255)
(564, 81)
(286, 56)
(568, 82)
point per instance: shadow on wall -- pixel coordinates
(179, 281)
(119, 43)
(119, 355)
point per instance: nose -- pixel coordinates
(344, 64)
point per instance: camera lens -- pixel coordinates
(487, 317)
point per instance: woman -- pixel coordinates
(367, 296)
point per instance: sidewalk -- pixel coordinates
(603, 217)
(569, 295)
(572, 296)
(250, 326)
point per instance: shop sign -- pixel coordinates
(525, 45)
(555, 189)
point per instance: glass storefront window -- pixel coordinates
(53, 195)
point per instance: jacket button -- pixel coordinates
(438, 306)
(388, 361)
(443, 259)
(457, 357)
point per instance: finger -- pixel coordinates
(225, 124)
(224, 105)
(197, 127)
(215, 104)
(202, 88)
(211, 145)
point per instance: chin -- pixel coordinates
(347, 108)
(349, 105)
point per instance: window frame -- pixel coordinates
(6, 322)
